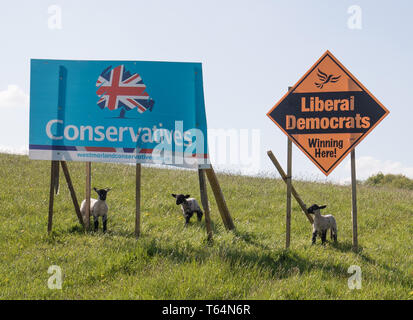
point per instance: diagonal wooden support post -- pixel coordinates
(293, 191)
(219, 198)
(72, 191)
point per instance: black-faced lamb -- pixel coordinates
(98, 208)
(322, 224)
(189, 206)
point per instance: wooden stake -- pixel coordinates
(72, 192)
(56, 178)
(289, 177)
(138, 201)
(293, 191)
(219, 198)
(53, 165)
(354, 199)
(87, 197)
(205, 204)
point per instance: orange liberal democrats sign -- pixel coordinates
(327, 113)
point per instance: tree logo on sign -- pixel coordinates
(118, 89)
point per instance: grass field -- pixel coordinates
(172, 262)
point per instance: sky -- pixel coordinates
(251, 52)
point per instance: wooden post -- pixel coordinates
(293, 191)
(51, 193)
(204, 201)
(138, 201)
(72, 192)
(354, 199)
(219, 198)
(87, 197)
(56, 178)
(289, 177)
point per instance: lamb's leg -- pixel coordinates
(96, 222)
(199, 215)
(323, 236)
(314, 237)
(104, 220)
(187, 218)
(188, 215)
(335, 235)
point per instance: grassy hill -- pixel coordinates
(172, 262)
(390, 180)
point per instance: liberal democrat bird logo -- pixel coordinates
(324, 78)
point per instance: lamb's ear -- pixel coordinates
(322, 207)
(108, 189)
(173, 195)
(187, 196)
(310, 209)
(95, 189)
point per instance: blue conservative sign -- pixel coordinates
(118, 111)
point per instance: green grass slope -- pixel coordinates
(390, 180)
(173, 262)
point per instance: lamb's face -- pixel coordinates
(180, 198)
(102, 193)
(315, 209)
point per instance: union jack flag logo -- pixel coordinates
(119, 89)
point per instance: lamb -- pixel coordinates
(189, 206)
(98, 208)
(322, 224)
